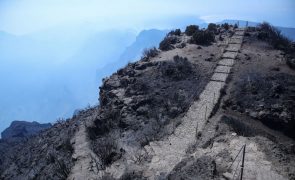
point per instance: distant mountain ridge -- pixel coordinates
(145, 39)
(21, 129)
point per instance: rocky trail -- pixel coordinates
(86, 166)
(169, 152)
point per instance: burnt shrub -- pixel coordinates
(178, 69)
(104, 125)
(244, 128)
(202, 38)
(176, 32)
(149, 53)
(225, 26)
(262, 35)
(274, 36)
(62, 170)
(212, 27)
(238, 126)
(167, 43)
(191, 29)
(67, 146)
(107, 150)
(132, 176)
(290, 61)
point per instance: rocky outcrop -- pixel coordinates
(21, 129)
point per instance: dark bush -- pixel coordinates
(150, 53)
(290, 61)
(262, 35)
(225, 26)
(176, 32)
(212, 27)
(103, 126)
(191, 29)
(202, 38)
(236, 26)
(179, 69)
(62, 170)
(274, 36)
(167, 43)
(107, 151)
(238, 126)
(132, 176)
(67, 146)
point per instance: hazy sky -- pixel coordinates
(24, 16)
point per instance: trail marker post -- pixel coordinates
(243, 160)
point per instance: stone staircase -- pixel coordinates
(169, 152)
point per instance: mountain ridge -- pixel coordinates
(23, 129)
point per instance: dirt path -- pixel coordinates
(169, 152)
(86, 166)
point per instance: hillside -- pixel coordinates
(184, 111)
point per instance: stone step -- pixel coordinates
(233, 47)
(219, 77)
(235, 41)
(240, 29)
(237, 37)
(226, 62)
(240, 33)
(229, 55)
(222, 69)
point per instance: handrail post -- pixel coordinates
(206, 114)
(243, 160)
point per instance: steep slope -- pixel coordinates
(184, 112)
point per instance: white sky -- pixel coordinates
(24, 16)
